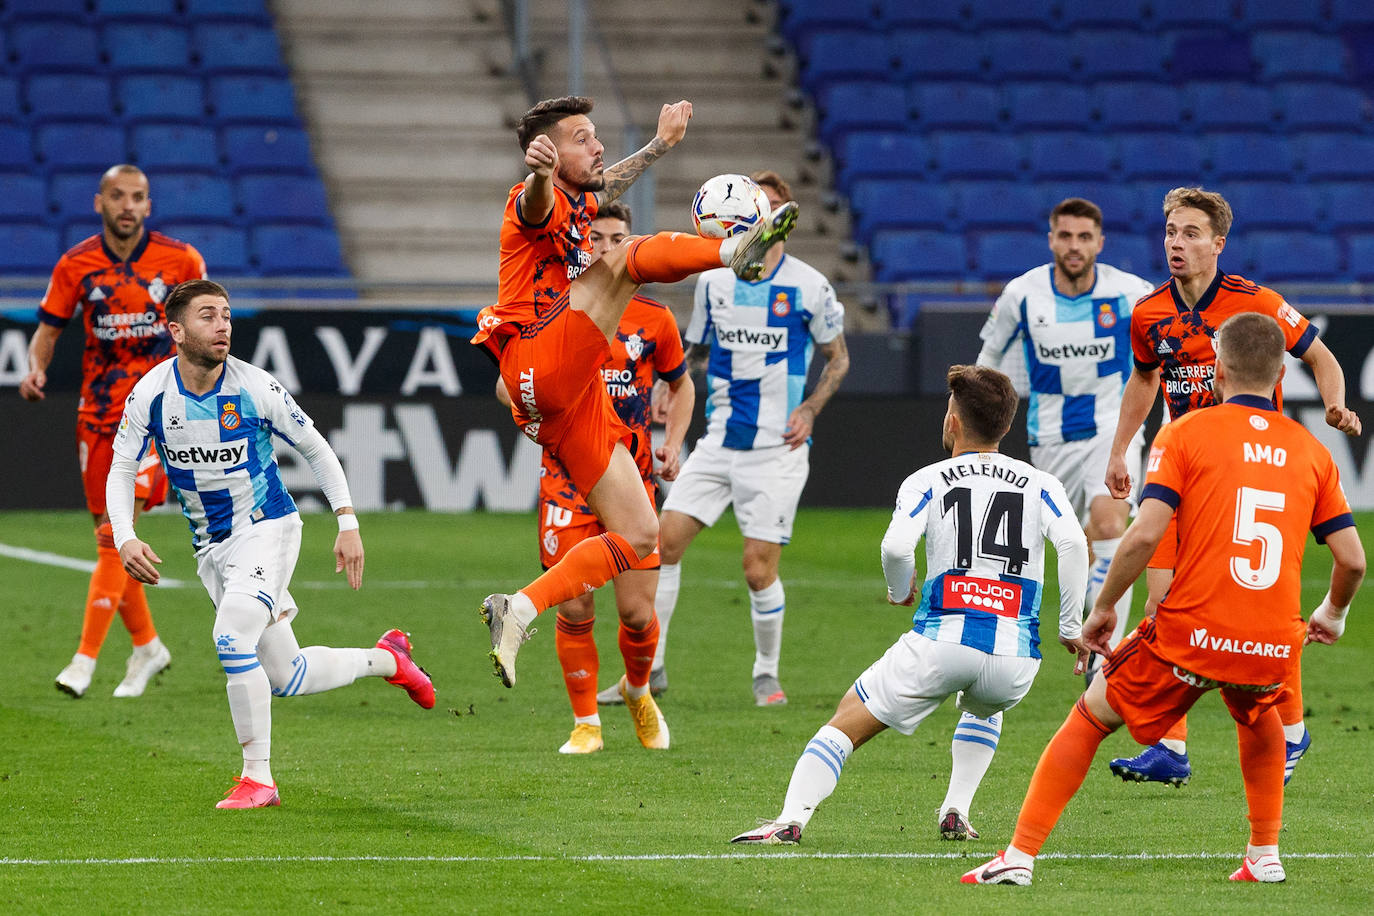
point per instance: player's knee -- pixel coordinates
(644, 537)
(239, 622)
(636, 615)
(759, 573)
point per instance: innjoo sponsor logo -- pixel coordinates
(991, 595)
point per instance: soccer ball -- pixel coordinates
(727, 205)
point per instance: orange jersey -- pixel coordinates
(538, 264)
(646, 343)
(1246, 484)
(121, 305)
(1168, 335)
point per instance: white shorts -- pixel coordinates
(257, 562)
(917, 674)
(765, 485)
(1081, 467)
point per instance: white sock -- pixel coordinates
(239, 623)
(522, 609)
(320, 668)
(1175, 745)
(971, 751)
(1254, 852)
(1014, 856)
(150, 647)
(1103, 551)
(1293, 733)
(593, 719)
(665, 602)
(766, 610)
(634, 692)
(816, 774)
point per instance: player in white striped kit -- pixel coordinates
(985, 518)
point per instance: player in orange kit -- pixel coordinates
(118, 279)
(550, 331)
(1171, 340)
(1245, 485)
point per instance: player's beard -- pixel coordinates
(589, 182)
(112, 226)
(201, 352)
(1069, 275)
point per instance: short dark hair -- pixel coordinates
(614, 210)
(1076, 206)
(181, 296)
(984, 400)
(122, 168)
(1251, 346)
(1209, 202)
(767, 178)
(539, 119)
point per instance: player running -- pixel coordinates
(550, 332)
(985, 517)
(212, 418)
(1244, 484)
(119, 280)
(1171, 340)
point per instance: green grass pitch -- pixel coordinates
(108, 804)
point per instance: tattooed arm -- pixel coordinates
(672, 124)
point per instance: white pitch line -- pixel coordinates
(56, 559)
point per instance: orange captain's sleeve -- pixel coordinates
(60, 299)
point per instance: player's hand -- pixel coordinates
(1076, 648)
(542, 156)
(658, 402)
(672, 121)
(799, 426)
(669, 462)
(1344, 419)
(348, 557)
(138, 559)
(1098, 630)
(1324, 626)
(1118, 479)
(910, 596)
(31, 388)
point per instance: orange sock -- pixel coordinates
(1290, 701)
(137, 616)
(1058, 775)
(576, 648)
(107, 586)
(589, 565)
(1261, 765)
(1179, 730)
(637, 647)
(667, 257)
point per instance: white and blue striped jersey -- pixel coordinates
(762, 336)
(216, 448)
(1077, 350)
(985, 517)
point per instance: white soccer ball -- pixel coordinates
(727, 205)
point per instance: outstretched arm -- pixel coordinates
(803, 418)
(1137, 546)
(1136, 401)
(672, 125)
(1331, 383)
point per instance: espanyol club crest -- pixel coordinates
(781, 304)
(229, 416)
(1106, 315)
(634, 346)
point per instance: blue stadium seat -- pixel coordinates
(1180, 14)
(798, 18)
(1210, 55)
(161, 97)
(297, 250)
(856, 106)
(848, 54)
(1120, 204)
(175, 147)
(1120, 14)
(71, 195)
(881, 203)
(243, 10)
(998, 204)
(1326, 156)
(72, 10)
(1004, 254)
(918, 254)
(874, 154)
(1360, 46)
(267, 147)
(1069, 155)
(89, 144)
(192, 197)
(939, 54)
(16, 149)
(283, 199)
(77, 231)
(978, 155)
(1041, 105)
(1120, 54)
(1298, 55)
(225, 248)
(900, 13)
(1250, 155)
(136, 9)
(252, 98)
(1276, 204)
(133, 47)
(1138, 106)
(1350, 205)
(54, 45)
(1293, 14)
(1278, 256)
(1229, 105)
(1359, 255)
(1023, 13)
(1139, 254)
(1321, 106)
(25, 199)
(1346, 13)
(10, 109)
(27, 249)
(943, 105)
(237, 47)
(68, 95)
(1160, 155)
(1026, 53)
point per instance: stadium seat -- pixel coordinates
(242, 10)
(1359, 43)
(1350, 205)
(89, 144)
(77, 231)
(1022, 13)
(1184, 14)
(1277, 204)
(978, 155)
(71, 195)
(1160, 155)
(899, 13)
(848, 54)
(192, 197)
(237, 47)
(161, 97)
(918, 254)
(1069, 155)
(945, 105)
(998, 204)
(25, 199)
(1294, 14)
(1347, 13)
(27, 249)
(307, 250)
(865, 105)
(54, 45)
(1042, 105)
(57, 96)
(225, 248)
(799, 18)
(1002, 255)
(16, 149)
(1210, 55)
(1120, 203)
(1221, 105)
(252, 98)
(136, 9)
(939, 54)
(880, 203)
(133, 47)
(10, 109)
(283, 199)
(72, 10)
(267, 147)
(1029, 54)
(1138, 106)
(1139, 254)
(879, 154)
(1321, 106)
(1326, 156)
(175, 147)
(1298, 55)
(1250, 155)
(1278, 256)
(1120, 14)
(1120, 55)
(1359, 255)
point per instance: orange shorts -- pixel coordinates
(560, 529)
(96, 452)
(1151, 694)
(553, 374)
(1166, 554)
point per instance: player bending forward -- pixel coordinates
(1246, 484)
(985, 517)
(211, 418)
